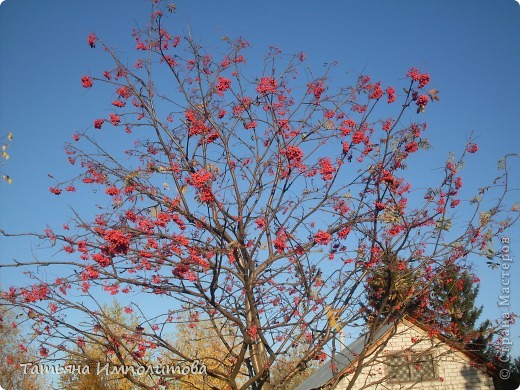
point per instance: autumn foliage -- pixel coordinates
(262, 203)
(6, 140)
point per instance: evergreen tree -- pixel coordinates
(447, 303)
(389, 290)
(513, 382)
(452, 305)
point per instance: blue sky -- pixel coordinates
(471, 48)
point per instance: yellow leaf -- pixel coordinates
(332, 317)
(328, 125)
(484, 218)
(433, 94)
(515, 207)
(10, 136)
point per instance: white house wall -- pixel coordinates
(453, 369)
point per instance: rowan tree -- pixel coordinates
(259, 199)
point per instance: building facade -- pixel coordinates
(403, 356)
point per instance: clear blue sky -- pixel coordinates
(471, 48)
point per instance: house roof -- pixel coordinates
(344, 358)
(341, 360)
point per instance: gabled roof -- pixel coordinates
(344, 358)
